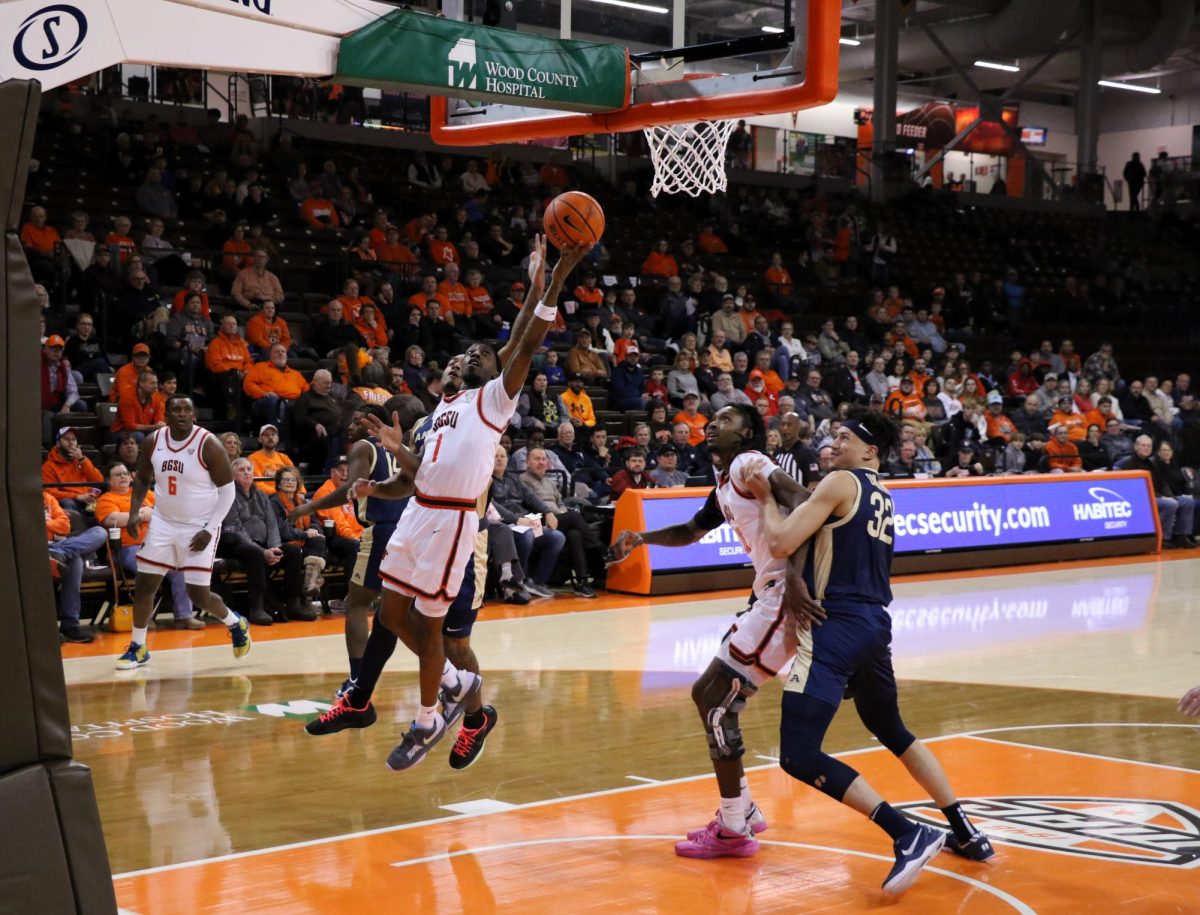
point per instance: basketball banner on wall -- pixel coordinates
(415, 52)
(935, 124)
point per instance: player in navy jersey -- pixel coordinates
(847, 525)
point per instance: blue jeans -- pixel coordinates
(127, 560)
(71, 552)
(1176, 515)
(541, 551)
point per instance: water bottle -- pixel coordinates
(505, 332)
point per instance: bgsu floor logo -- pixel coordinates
(1116, 829)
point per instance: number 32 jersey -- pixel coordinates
(850, 559)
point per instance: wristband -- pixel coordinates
(546, 312)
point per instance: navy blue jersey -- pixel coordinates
(419, 433)
(380, 511)
(850, 559)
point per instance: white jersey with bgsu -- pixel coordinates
(436, 534)
(761, 643)
(183, 488)
(460, 447)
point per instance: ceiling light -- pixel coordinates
(772, 30)
(645, 8)
(990, 65)
(1149, 90)
(852, 42)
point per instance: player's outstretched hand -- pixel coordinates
(537, 260)
(569, 258)
(800, 604)
(622, 547)
(361, 489)
(1190, 703)
(755, 473)
(391, 437)
(200, 542)
(303, 510)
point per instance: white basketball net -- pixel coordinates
(689, 158)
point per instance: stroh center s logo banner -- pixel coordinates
(1130, 830)
(50, 37)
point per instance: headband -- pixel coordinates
(861, 431)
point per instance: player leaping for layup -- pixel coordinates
(423, 566)
(193, 490)
(760, 643)
(848, 569)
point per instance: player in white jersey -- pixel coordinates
(193, 491)
(422, 569)
(760, 643)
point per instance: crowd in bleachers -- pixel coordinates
(285, 285)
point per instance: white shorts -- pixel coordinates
(427, 554)
(762, 641)
(167, 546)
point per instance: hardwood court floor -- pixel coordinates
(1055, 687)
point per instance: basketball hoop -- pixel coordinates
(689, 158)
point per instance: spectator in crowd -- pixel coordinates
(139, 311)
(1065, 415)
(727, 394)
(193, 282)
(536, 409)
(118, 240)
(273, 386)
(1173, 485)
(140, 412)
(666, 474)
(681, 381)
(268, 459)
(1030, 420)
(332, 332)
(66, 464)
(628, 387)
(112, 513)
(633, 475)
(256, 284)
(1101, 364)
(584, 361)
(250, 535)
(1116, 444)
(576, 404)
(441, 250)
(228, 359)
(537, 542)
(39, 241)
(692, 418)
(288, 493)
(265, 329)
(68, 553)
(84, 351)
(185, 337)
(580, 538)
(1136, 408)
(1176, 517)
(660, 261)
(1062, 455)
(816, 400)
(1134, 174)
(155, 199)
(342, 528)
(318, 210)
(371, 326)
(60, 394)
(729, 323)
(904, 464)
(1091, 451)
(316, 419)
(472, 179)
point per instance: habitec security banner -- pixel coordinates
(952, 518)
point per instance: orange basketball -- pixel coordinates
(573, 218)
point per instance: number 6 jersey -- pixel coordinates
(183, 489)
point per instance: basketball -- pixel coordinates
(573, 218)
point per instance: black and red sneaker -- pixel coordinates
(342, 716)
(469, 745)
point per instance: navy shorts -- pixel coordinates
(851, 649)
(371, 548)
(461, 617)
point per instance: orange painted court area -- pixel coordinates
(613, 851)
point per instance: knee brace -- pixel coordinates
(801, 732)
(885, 723)
(721, 724)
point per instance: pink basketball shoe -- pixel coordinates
(714, 842)
(754, 819)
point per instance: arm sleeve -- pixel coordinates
(709, 517)
(224, 502)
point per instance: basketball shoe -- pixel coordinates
(913, 852)
(754, 819)
(976, 848)
(469, 745)
(342, 716)
(239, 634)
(135, 656)
(416, 743)
(714, 842)
(454, 702)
